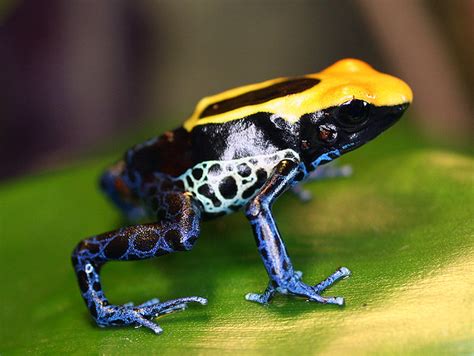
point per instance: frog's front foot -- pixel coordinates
(295, 286)
(141, 315)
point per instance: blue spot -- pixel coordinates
(325, 157)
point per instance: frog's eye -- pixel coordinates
(354, 112)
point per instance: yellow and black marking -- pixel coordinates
(255, 97)
(291, 98)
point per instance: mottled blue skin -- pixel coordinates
(178, 211)
(90, 254)
(283, 278)
(159, 239)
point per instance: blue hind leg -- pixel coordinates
(177, 232)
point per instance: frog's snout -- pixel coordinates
(390, 115)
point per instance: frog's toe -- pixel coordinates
(295, 286)
(263, 298)
(127, 314)
(151, 309)
(257, 298)
(149, 303)
(341, 273)
(141, 321)
(326, 300)
(313, 293)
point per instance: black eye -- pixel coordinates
(354, 112)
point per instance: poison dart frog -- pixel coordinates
(240, 149)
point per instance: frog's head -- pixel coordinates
(359, 104)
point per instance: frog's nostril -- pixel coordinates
(327, 133)
(399, 109)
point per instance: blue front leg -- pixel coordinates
(283, 278)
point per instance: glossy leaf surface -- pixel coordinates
(403, 224)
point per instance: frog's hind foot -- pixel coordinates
(295, 286)
(141, 315)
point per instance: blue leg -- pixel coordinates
(283, 278)
(326, 171)
(177, 232)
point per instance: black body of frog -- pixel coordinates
(240, 149)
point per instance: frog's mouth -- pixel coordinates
(381, 118)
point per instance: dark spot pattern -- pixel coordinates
(192, 239)
(244, 170)
(146, 241)
(117, 247)
(173, 239)
(261, 178)
(176, 233)
(278, 245)
(93, 248)
(208, 192)
(228, 187)
(197, 173)
(215, 169)
(299, 176)
(190, 181)
(82, 278)
(93, 310)
(219, 191)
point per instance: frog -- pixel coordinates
(240, 150)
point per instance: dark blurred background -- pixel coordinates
(78, 74)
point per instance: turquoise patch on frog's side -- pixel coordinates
(225, 186)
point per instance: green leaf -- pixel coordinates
(403, 224)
